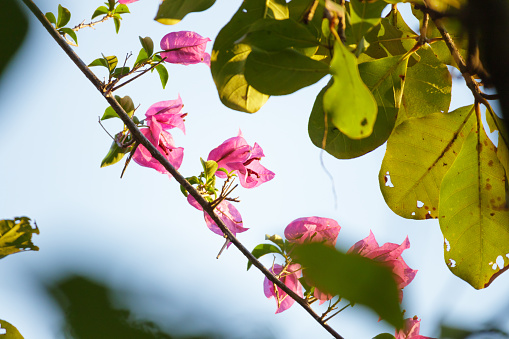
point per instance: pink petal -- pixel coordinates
(125, 2)
(365, 245)
(313, 229)
(291, 280)
(167, 113)
(184, 48)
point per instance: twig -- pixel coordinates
(136, 133)
(91, 24)
(139, 75)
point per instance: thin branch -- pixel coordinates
(136, 133)
(139, 75)
(90, 24)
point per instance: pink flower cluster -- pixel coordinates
(324, 230)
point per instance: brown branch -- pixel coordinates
(90, 24)
(139, 137)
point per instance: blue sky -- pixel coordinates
(139, 234)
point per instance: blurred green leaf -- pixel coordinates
(261, 250)
(16, 236)
(51, 18)
(121, 9)
(364, 15)
(384, 336)
(148, 45)
(63, 16)
(11, 332)
(111, 4)
(14, 27)
(171, 12)
(282, 72)
(101, 10)
(163, 74)
(228, 58)
(69, 32)
(348, 102)
(473, 211)
(115, 154)
(419, 153)
(353, 277)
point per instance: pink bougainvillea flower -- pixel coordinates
(184, 48)
(226, 212)
(411, 330)
(236, 155)
(125, 2)
(165, 145)
(291, 279)
(313, 229)
(165, 115)
(389, 254)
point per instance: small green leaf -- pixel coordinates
(142, 57)
(69, 32)
(261, 250)
(276, 239)
(63, 16)
(51, 18)
(99, 62)
(101, 10)
(163, 74)
(119, 72)
(109, 113)
(111, 4)
(148, 45)
(384, 336)
(282, 72)
(117, 24)
(115, 154)
(16, 236)
(127, 104)
(11, 332)
(349, 102)
(358, 279)
(112, 62)
(209, 168)
(171, 12)
(121, 9)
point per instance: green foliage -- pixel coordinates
(11, 332)
(13, 27)
(64, 15)
(16, 236)
(172, 11)
(363, 17)
(261, 250)
(115, 154)
(384, 336)
(353, 277)
(101, 10)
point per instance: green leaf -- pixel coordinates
(261, 250)
(353, 277)
(142, 57)
(51, 18)
(109, 113)
(127, 104)
(171, 12)
(474, 212)
(99, 62)
(276, 239)
(14, 26)
(348, 102)
(63, 16)
(117, 24)
(209, 168)
(385, 78)
(283, 72)
(428, 86)
(121, 9)
(119, 72)
(148, 45)
(11, 332)
(16, 236)
(384, 336)
(364, 15)
(419, 153)
(101, 10)
(69, 32)
(111, 4)
(115, 154)
(275, 35)
(112, 62)
(228, 58)
(163, 74)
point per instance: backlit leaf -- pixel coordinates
(261, 250)
(419, 153)
(16, 236)
(121, 9)
(364, 15)
(51, 18)
(171, 12)
(148, 45)
(63, 16)
(11, 332)
(163, 74)
(101, 10)
(70, 33)
(115, 154)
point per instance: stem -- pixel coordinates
(139, 137)
(139, 75)
(341, 310)
(91, 24)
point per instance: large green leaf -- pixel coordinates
(353, 277)
(348, 102)
(171, 12)
(228, 57)
(428, 86)
(473, 212)
(16, 236)
(419, 153)
(282, 72)
(385, 78)
(11, 332)
(364, 15)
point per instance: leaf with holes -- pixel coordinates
(16, 236)
(170, 12)
(385, 78)
(228, 57)
(474, 213)
(11, 332)
(419, 153)
(348, 102)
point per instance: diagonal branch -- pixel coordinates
(139, 137)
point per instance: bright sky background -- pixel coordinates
(140, 234)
